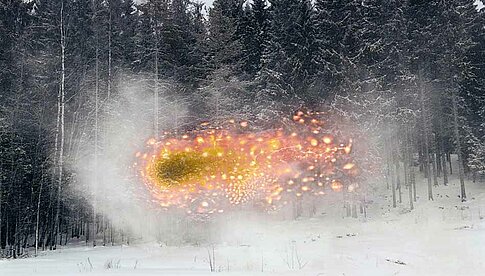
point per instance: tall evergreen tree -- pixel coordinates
(224, 45)
(179, 42)
(254, 28)
(289, 66)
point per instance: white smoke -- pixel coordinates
(111, 185)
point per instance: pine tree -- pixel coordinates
(224, 45)
(455, 65)
(289, 63)
(179, 54)
(253, 30)
(473, 94)
(249, 43)
(200, 50)
(124, 19)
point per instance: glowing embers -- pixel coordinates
(211, 169)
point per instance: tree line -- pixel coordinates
(411, 73)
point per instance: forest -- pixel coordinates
(408, 75)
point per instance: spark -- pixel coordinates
(212, 168)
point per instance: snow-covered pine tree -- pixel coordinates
(151, 43)
(223, 44)
(253, 30)
(456, 66)
(473, 94)
(179, 54)
(289, 61)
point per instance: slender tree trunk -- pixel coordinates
(426, 141)
(111, 234)
(398, 180)
(393, 179)
(388, 161)
(96, 142)
(48, 239)
(435, 173)
(440, 140)
(107, 132)
(15, 235)
(6, 234)
(406, 161)
(103, 227)
(68, 226)
(445, 170)
(86, 231)
(155, 91)
(413, 184)
(62, 119)
(439, 153)
(458, 145)
(448, 157)
(37, 217)
(408, 166)
(109, 55)
(421, 159)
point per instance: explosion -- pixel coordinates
(212, 168)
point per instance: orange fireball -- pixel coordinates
(213, 168)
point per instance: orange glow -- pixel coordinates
(348, 166)
(211, 168)
(337, 186)
(327, 140)
(314, 142)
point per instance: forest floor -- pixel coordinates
(440, 237)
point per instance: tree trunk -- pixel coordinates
(421, 159)
(435, 173)
(439, 153)
(155, 90)
(109, 55)
(393, 185)
(445, 170)
(96, 142)
(458, 145)
(426, 141)
(37, 217)
(103, 227)
(448, 157)
(407, 166)
(398, 180)
(387, 151)
(62, 119)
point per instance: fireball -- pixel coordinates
(210, 169)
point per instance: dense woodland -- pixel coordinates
(410, 73)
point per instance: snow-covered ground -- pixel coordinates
(441, 237)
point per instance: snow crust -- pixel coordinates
(441, 237)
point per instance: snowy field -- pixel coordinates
(444, 237)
